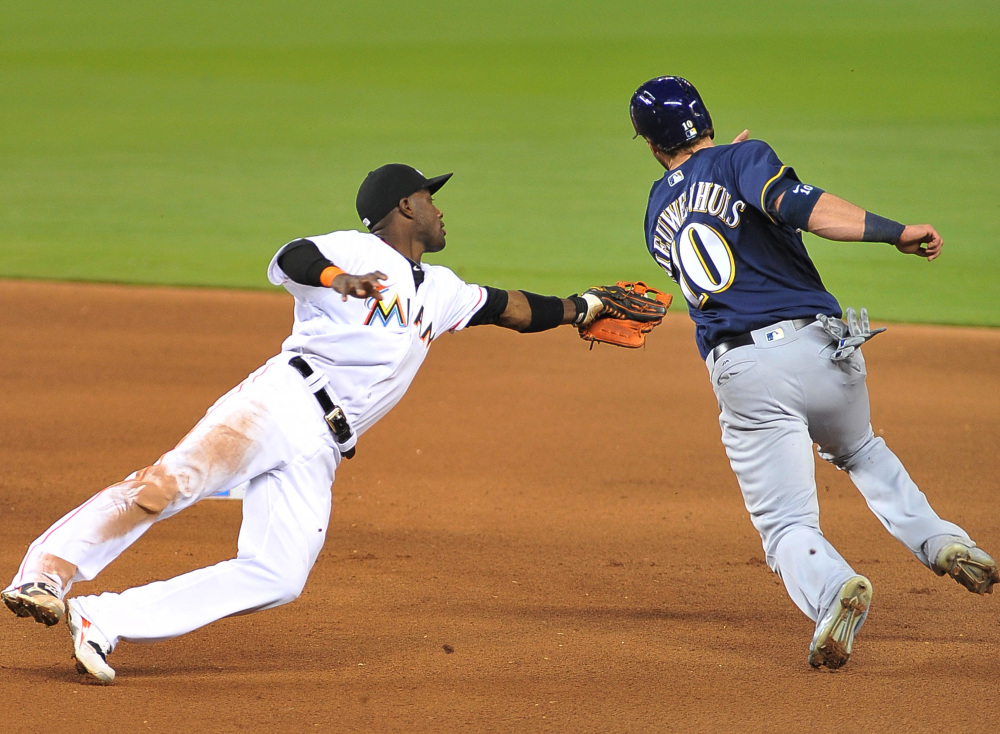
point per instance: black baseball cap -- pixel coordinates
(383, 188)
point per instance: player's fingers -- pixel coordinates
(929, 243)
(935, 245)
(742, 136)
(372, 281)
(928, 235)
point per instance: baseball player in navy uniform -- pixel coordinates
(366, 311)
(724, 223)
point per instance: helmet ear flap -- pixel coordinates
(669, 112)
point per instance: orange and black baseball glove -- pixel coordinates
(628, 311)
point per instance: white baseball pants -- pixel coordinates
(269, 431)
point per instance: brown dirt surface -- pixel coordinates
(540, 537)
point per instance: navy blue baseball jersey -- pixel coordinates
(709, 226)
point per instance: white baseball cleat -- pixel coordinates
(970, 566)
(37, 599)
(90, 647)
(834, 637)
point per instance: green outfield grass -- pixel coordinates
(183, 142)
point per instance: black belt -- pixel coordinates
(333, 414)
(744, 340)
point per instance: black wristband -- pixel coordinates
(880, 229)
(582, 307)
(547, 312)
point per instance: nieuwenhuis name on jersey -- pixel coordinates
(706, 198)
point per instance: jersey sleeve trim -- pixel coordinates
(464, 321)
(767, 186)
(275, 274)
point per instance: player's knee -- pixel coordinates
(286, 590)
(157, 488)
(288, 595)
(847, 456)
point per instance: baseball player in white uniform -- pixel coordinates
(366, 311)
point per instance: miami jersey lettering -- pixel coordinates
(393, 333)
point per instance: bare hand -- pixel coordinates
(742, 136)
(359, 286)
(921, 240)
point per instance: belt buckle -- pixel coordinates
(338, 424)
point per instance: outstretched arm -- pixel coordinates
(530, 312)
(834, 218)
(635, 304)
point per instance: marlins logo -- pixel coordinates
(385, 311)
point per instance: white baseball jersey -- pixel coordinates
(370, 350)
(267, 433)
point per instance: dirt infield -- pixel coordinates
(511, 550)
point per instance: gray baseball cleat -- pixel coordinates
(970, 566)
(37, 599)
(834, 637)
(90, 647)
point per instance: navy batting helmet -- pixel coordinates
(669, 112)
